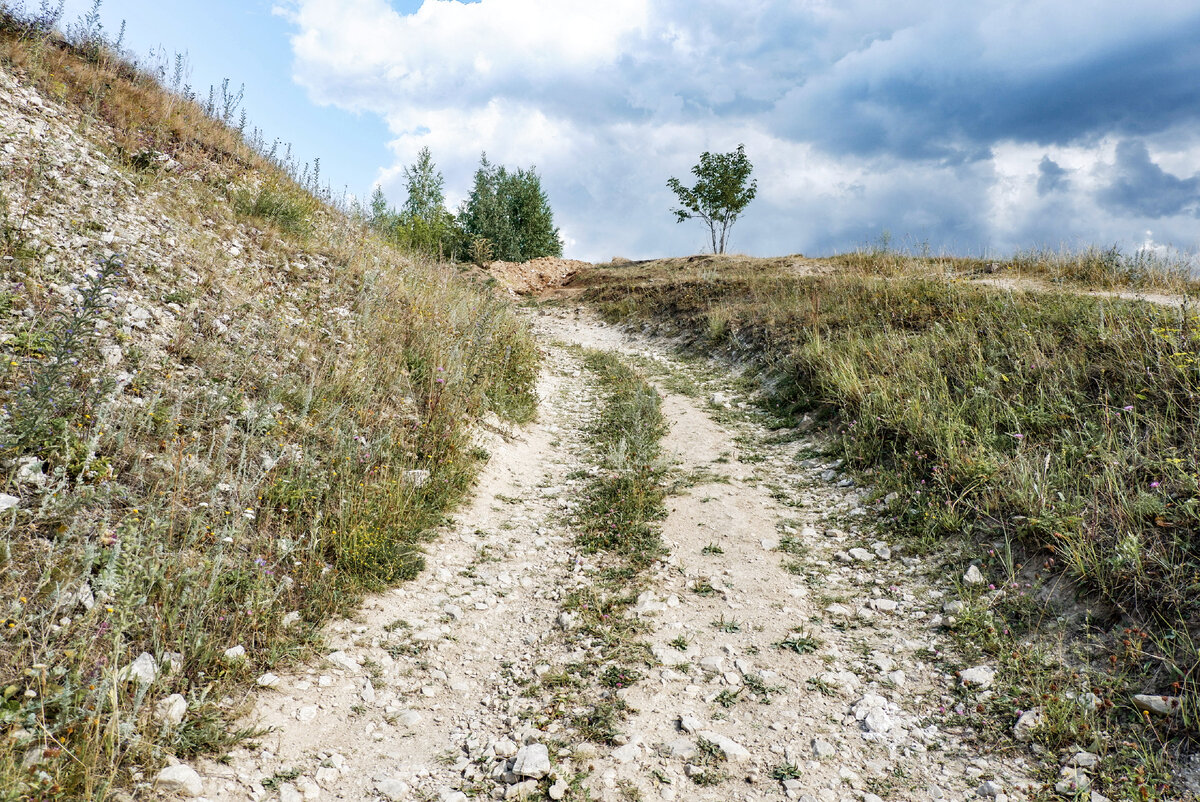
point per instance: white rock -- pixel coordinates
(1029, 721)
(306, 713)
(268, 680)
(522, 790)
(978, 677)
(732, 749)
(171, 710)
(973, 576)
(532, 761)
(392, 789)
(861, 555)
(291, 619)
(558, 790)
(143, 669)
(180, 779)
(626, 753)
(344, 661)
(7, 502)
(1162, 705)
(505, 747)
(714, 664)
(235, 654)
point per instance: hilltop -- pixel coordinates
(290, 513)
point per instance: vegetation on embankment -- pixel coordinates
(1058, 426)
(227, 411)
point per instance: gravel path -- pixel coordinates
(793, 647)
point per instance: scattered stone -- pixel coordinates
(953, 607)
(1072, 781)
(532, 761)
(1084, 760)
(823, 749)
(523, 790)
(143, 669)
(733, 750)
(235, 654)
(1029, 721)
(7, 502)
(1162, 705)
(180, 779)
(974, 576)
(344, 661)
(980, 677)
(291, 619)
(689, 724)
(171, 710)
(268, 680)
(872, 710)
(505, 748)
(860, 555)
(989, 788)
(558, 790)
(393, 789)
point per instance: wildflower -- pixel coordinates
(1154, 484)
(1128, 408)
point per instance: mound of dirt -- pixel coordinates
(536, 275)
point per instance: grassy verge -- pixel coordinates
(212, 443)
(1058, 431)
(623, 500)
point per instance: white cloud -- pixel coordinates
(925, 119)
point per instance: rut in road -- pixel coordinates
(787, 653)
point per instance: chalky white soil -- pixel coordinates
(420, 695)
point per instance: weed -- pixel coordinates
(712, 549)
(729, 626)
(799, 642)
(786, 771)
(681, 643)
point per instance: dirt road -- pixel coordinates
(795, 653)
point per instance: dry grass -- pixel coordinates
(1057, 428)
(277, 439)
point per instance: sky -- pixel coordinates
(974, 128)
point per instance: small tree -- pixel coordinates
(510, 211)
(720, 195)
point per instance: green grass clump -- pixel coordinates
(625, 499)
(280, 203)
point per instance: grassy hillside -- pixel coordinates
(227, 411)
(1056, 430)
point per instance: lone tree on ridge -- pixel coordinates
(720, 195)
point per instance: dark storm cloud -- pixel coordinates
(1144, 189)
(1051, 176)
(932, 92)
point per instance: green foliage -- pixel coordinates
(47, 413)
(279, 202)
(1062, 425)
(422, 225)
(623, 502)
(720, 195)
(511, 212)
